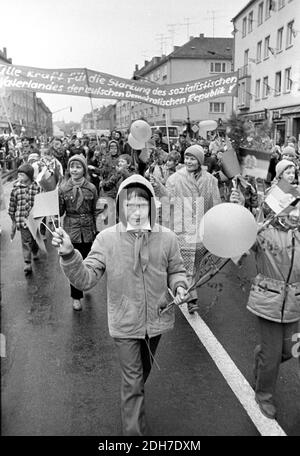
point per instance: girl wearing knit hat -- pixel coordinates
(192, 191)
(77, 200)
(285, 169)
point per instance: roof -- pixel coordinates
(249, 3)
(206, 48)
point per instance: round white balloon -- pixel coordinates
(134, 143)
(141, 131)
(208, 125)
(228, 230)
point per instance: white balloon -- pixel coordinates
(208, 125)
(141, 130)
(228, 230)
(134, 143)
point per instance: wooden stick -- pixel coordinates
(47, 228)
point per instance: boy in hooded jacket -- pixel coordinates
(20, 204)
(275, 299)
(142, 260)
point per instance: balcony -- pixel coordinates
(244, 72)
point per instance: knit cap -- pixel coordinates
(282, 165)
(196, 151)
(81, 159)
(289, 150)
(27, 169)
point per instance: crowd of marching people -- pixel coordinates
(105, 183)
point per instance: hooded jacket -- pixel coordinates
(137, 279)
(275, 291)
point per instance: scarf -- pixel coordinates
(141, 256)
(77, 192)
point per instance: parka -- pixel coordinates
(275, 291)
(80, 224)
(137, 280)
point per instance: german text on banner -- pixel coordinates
(89, 83)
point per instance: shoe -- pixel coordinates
(27, 268)
(192, 307)
(77, 304)
(267, 409)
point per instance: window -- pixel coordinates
(250, 22)
(281, 3)
(218, 67)
(278, 83)
(266, 88)
(257, 89)
(216, 107)
(241, 94)
(258, 51)
(260, 13)
(266, 47)
(287, 80)
(246, 57)
(267, 12)
(279, 39)
(244, 27)
(289, 34)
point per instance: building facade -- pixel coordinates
(266, 56)
(101, 119)
(200, 57)
(23, 110)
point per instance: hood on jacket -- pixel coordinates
(138, 181)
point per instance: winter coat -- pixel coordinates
(136, 285)
(80, 224)
(190, 198)
(275, 291)
(21, 202)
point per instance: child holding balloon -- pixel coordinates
(275, 299)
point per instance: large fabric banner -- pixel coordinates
(89, 83)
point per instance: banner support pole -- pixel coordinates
(91, 103)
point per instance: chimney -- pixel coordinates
(5, 52)
(146, 62)
(191, 38)
(136, 67)
(201, 35)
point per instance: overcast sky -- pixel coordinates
(105, 35)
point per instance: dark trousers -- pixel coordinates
(29, 245)
(275, 348)
(136, 362)
(84, 248)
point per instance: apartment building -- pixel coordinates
(200, 57)
(27, 113)
(267, 58)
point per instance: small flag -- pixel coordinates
(46, 203)
(33, 224)
(230, 163)
(282, 196)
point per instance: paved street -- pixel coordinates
(60, 375)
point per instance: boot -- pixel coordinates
(27, 268)
(77, 304)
